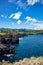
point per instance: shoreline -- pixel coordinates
(25, 61)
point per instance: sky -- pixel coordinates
(25, 14)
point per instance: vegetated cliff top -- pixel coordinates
(4, 31)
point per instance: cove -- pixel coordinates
(29, 46)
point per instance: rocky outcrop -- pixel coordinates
(26, 61)
(9, 39)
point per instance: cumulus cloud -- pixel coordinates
(38, 26)
(21, 4)
(32, 2)
(29, 19)
(24, 5)
(19, 22)
(16, 15)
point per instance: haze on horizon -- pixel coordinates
(21, 14)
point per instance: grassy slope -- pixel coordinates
(20, 31)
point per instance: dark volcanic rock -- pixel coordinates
(3, 40)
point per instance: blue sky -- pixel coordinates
(26, 14)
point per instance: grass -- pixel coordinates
(20, 31)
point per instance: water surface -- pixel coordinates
(31, 45)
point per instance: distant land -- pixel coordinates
(19, 31)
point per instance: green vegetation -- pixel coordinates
(36, 32)
(20, 31)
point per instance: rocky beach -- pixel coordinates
(25, 61)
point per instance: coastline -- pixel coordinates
(25, 61)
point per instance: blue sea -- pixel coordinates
(29, 46)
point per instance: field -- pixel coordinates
(19, 31)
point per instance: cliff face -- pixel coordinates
(26, 61)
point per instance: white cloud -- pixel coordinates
(42, 1)
(29, 19)
(11, 15)
(37, 26)
(34, 23)
(17, 15)
(4, 16)
(19, 22)
(21, 4)
(32, 2)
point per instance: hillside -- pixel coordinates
(20, 31)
